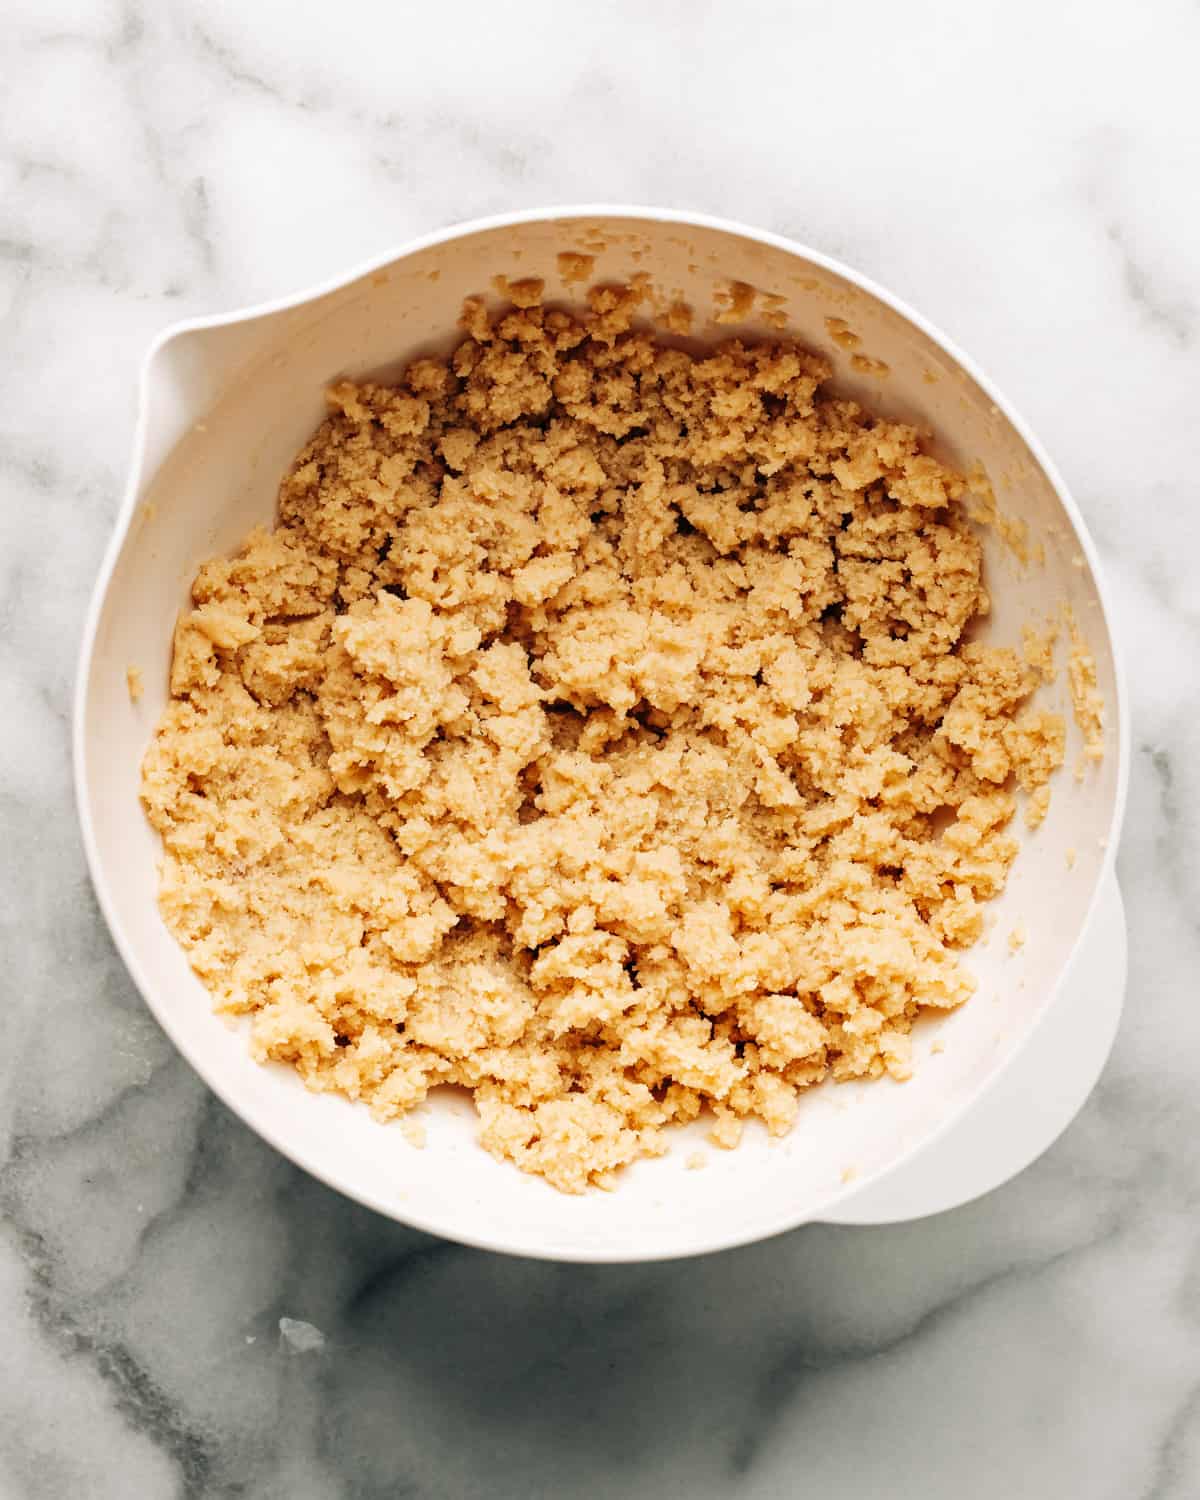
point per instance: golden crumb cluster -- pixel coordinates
(597, 731)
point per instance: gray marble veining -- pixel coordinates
(1038, 202)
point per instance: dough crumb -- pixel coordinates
(677, 319)
(696, 1161)
(842, 334)
(727, 1132)
(848, 1174)
(736, 303)
(600, 730)
(134, 684)
(985, 511)
(1087, 700)
(1070, 858)
(937, 1048)
(1037, 807)
(866, 365)
(1039, 649)
(413, 1132)
(575, 268)
(526, 292)
(1016, 938)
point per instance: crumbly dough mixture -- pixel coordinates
(599, 730)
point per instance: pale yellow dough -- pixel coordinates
(597, 731)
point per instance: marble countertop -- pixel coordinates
(1026, 175)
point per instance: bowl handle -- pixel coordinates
(1034, 1099)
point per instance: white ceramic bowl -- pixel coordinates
(227, 401)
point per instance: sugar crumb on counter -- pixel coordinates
(134, 685)
(299, 1337)
(598, 731)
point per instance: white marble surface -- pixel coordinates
(1024, 173)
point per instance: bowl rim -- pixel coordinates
(722, 1235)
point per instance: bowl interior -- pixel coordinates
(225, 407)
